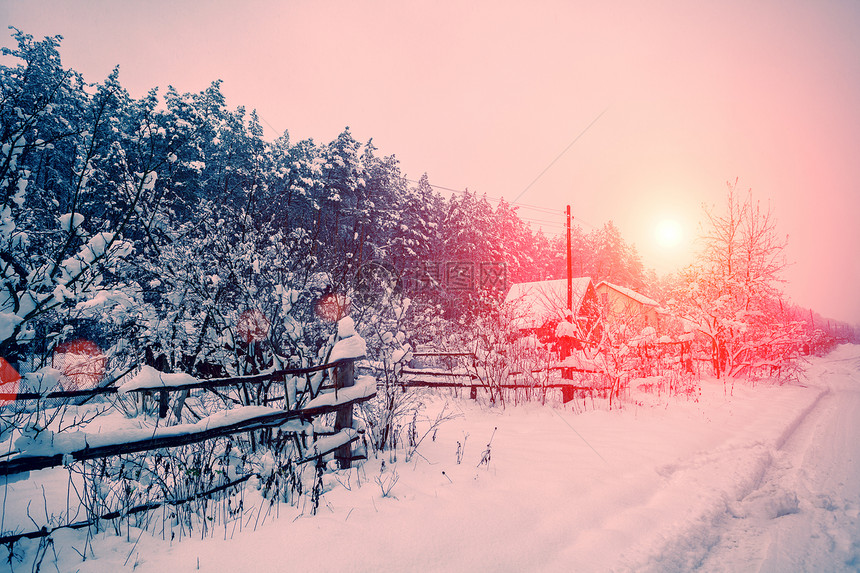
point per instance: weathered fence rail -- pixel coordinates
(51, 450)
(205, 384)
(662, 354)
(81, 447)
(46, 449)
(417, 377)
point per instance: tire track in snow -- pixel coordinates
(730, 483)
(803, 516)
(672, 514)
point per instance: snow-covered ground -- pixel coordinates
(754, 478)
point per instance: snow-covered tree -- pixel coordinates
(614, 260)
(732, 292)
(517, 243)
(62, 239)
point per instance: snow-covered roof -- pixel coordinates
(630, 293)
(535, 303)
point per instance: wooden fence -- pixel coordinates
(80, 446)
(310, 400)
(428, 378)
(338, 396)
(469, 378)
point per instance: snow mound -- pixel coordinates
(346, 348)
(770, 503)
(149, 377)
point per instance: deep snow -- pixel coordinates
(750, 478)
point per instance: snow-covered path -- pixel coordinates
(804, 514)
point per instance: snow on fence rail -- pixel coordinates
(48, 449)
(190, 383)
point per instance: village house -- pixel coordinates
(622, 306)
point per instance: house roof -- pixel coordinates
(629, 293)
(536, 303)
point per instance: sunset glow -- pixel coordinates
(668, 233)
(9, 380)
(82, 363)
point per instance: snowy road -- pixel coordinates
(804, 514)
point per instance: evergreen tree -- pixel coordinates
(517, 243)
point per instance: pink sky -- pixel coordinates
(485, 95)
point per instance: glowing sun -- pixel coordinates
(668, 233)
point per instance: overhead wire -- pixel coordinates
(525, 206)
(547, 210)
(560, 155)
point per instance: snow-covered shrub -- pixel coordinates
(389, 351)
(503, 357)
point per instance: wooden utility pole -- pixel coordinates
(567, 373)
(569, 269)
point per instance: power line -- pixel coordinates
(545, 221)
(540, 209)
(536, 208)
(544, 210)
(263, 119)
(551, 163)
(514, 203)
(545, 169)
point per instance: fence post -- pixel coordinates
(163, 401)
(473, 390)
(568, 393)
(344, 377)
